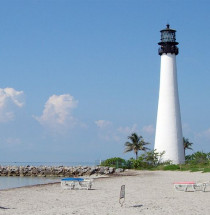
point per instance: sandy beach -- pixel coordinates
(146, 192)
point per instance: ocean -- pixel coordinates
(82, 163)
(7, 182)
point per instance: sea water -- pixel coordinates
(36, 164)
(7, 182)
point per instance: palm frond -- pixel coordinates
(136, 143)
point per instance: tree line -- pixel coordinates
(151, 159)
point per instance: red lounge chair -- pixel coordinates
(184, 186)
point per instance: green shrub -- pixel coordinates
(128, 164)
(114, 162)
(198, 158)
(152, 158)
(139, 163)
(148, 160)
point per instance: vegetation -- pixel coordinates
(198, 158)
(114, 162)
(137, 144)
(151, 159)
(148, 160)
(187, 145)
(117, 163)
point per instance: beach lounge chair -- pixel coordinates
(185, 186)
(191, 185)
(76, 183)
(201, 186)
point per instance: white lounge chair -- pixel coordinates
(201, 186)
(191, 185)
(76, 183)
(184, 186)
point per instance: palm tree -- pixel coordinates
(137, 143)
(187, 144)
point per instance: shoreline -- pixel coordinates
(29, 186)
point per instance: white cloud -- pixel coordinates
(116, 134)
(128, 130)
(58, 111)
(120, 134)
(148, 129)
(9, 98)
(103, 123)
(109, 133)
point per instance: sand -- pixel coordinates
(146, 192)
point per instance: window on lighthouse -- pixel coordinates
(168, 36)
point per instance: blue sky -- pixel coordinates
(79, 76)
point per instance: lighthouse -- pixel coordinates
(168, 137)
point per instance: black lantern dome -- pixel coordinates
(168, 41)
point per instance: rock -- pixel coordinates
(92, 170)
(111, 170)
(118, 170)
(59, 171)
(101, 170)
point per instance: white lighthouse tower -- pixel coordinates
(168, 136)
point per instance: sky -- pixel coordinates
(79, 76)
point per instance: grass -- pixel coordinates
(181, 167)
(206, 169)
(185, 167)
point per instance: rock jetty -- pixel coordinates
(59, 171)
